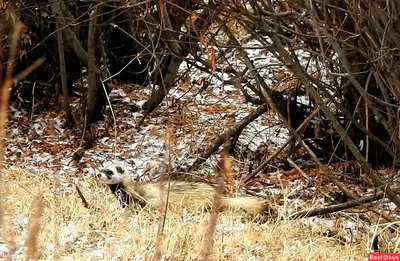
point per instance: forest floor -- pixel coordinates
(42, 172)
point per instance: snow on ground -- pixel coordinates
(195, 116)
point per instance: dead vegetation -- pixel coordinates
(43, 218)
(69, 231)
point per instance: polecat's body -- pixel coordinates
(181, 194)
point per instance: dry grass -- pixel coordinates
(69, 231)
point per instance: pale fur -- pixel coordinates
(190, 195)
(194, 196)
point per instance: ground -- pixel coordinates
(41, 182)
(104, 231)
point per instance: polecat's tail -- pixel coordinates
(250, 205)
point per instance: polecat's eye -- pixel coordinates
(109, 172)
(119, 169)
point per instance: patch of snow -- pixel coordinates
(225, 228)
(3, 248)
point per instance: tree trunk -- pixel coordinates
(63, 72)
(94, 93)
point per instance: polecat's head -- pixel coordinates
(113, 174)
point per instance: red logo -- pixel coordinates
(383, 257)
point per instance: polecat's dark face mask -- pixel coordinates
(108, 176)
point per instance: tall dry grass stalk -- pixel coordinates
(224, 173)
(207, 244)
(37, 208)
(56, 218)
(4, 97)
(10, 234)
(7, 84)
(164, 205)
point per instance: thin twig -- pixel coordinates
(84, 202)
(229, 133)
(273, 155)
(338, 207)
